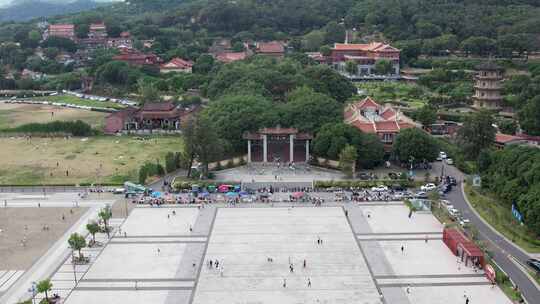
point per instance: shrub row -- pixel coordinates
(75, 128)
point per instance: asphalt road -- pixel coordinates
(499, 247)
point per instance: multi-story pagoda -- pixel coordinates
(487, 86)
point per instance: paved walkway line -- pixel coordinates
(401, 233)
(214, 216)
(434, 284)
(140, 280)
(160, 236)
(159, 242)
(131, 288)
(428, 276)
(363, 255)
(397, 239)
(489, 225)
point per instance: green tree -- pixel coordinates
(347, 160)
(426, 115)
(170, 162)
(370, 151)
(383, 67)
(351, 67)
(334, 32)
(203, 64)
(529, 116)
(77, 242)
(148, 91)
(105, 214)
(202, 142)
(51, 52)
(478, 45)
(325, 50)
(44, 287)
(427, 29)
(313, 40)
(414, 144)
(476, 134)
(308, 110)
(93, 228)
(324, 79)
(81, 30)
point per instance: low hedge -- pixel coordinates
(75, 128)
(365, 183)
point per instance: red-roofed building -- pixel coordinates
(177, 65)
(228, 57)
(365, 56)
(370, 117)
(97, 31)
(504, 140)
(152, 116)
(274, 49)
(136, 57)
(60, 30)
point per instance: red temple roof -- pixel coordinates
(270, 47)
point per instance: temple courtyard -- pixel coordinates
(280, 253)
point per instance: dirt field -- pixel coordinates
(101, 159)
(13, 222)
(13, 115)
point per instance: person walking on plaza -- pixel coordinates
(284, 283)
(308, 282)
(402, 248)
(467, 300)
(304, 263)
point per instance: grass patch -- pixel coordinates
(103, 159)
(79, 101)
(405, 94)
(500, 217)
(15, 115)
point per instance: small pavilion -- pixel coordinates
(285, 145)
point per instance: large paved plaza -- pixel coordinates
(162, 255)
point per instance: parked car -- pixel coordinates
(454, 213)
(364, 176)
(442, 155)
(380, 188)
(534, 264)
(449, 161)
(464, 222)
(421, 194)
(428, 187)
(119, 191)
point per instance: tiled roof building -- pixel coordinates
(370, 117)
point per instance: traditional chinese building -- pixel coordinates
(151, 116)
(278, 144)
(228, 57)
(487, 86)
(177, 65)
(273, 49)
(135, 57)
(124, 41)
(365, 56)
(60, 30)
(384, 121)
(97, 31)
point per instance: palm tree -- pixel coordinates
(105, 214)
(77, 242)
(44, 287)
(93, 228)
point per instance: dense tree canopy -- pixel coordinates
(477, 133)
(414, 145)
(332, 139)
(513, 174)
